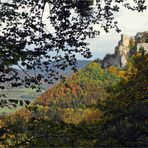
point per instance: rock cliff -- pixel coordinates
(126, 47)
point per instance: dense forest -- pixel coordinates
(94, 107)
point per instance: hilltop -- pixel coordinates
(80, 92)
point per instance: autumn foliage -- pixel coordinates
(95, 107)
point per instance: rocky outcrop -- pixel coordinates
(126, 47)
(111, 60)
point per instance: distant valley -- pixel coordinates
(30, 94)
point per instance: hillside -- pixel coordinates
(28, 95)
(73, 100)
(93, 107)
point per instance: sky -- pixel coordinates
(129, 22)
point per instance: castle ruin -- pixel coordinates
(127, 46)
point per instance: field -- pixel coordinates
(18, 94)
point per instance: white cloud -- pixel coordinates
(129, 22)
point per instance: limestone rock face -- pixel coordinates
(126, 47)
(111, 60)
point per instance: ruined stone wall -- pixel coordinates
(142, 37)
(125, 40)
(143, 45)
(126, 47)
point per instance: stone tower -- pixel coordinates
(127, 46)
